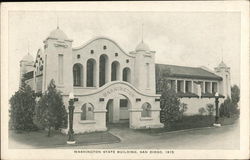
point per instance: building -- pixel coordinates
(112, 86)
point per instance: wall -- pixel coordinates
(194, 104)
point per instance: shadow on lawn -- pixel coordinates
(39, 139)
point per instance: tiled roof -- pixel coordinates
(163, 70)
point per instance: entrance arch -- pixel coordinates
(118, 110)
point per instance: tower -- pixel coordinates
(224, 85)
(144, 68)
(26, 65)
(58, 61)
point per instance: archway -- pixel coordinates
(78, 74)
(118, 111)
(115, 71)
(103, 67)
(126, 75)
(91, 73)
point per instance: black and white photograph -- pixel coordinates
(125, 80)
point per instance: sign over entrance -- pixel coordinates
(118, 89)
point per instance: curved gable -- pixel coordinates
(99, 40)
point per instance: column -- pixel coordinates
(211, 89)
(176, 85)
(203, 90)
(84, 75)
(192, 86)
(97, 74)
(108, 72)
(116, 110)
(119, 77)
(184, 86)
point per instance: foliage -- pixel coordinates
(22, 106)
(183, 108)
(202, 111)
(228, 108)
(51, 112)
(210, 109)
(235, 95)
(170, 105)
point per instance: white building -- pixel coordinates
(112, 86)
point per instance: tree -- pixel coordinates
(227, 108)
(22, 106)
(170, 105)
(51, 112)
(235, 95)
(210, 109)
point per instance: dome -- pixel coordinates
(222, 65)
(142, 47)
(58, 34)
(28, 58)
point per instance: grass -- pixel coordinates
(189, 122)
(39, 139)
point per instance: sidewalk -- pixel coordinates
(39, 139)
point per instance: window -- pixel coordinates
(188, 86)
(116, 54)
(126, 75)
(123, 103)
(92, 51)
(207, 87)
(77, 74)
(104, 47)
(146, 107)
(91, 70)
(78, 56)
(60, 69)
(172, 83)
(214, 87)
(87, 112)
(115, 70)
(127, 60)
(103, 66)
(180, 85)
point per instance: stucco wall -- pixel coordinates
(194, 104)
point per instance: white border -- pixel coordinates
(188, 6)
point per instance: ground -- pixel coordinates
(225, 137)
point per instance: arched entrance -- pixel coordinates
(118, 111)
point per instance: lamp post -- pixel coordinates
(217, 110)
(71, 114)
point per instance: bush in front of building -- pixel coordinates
(182, 110)
(22, 106)
(170, 106)
(230, 106)
(202, 111)
(210, 109)
(51, 112)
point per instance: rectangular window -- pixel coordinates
(214, 87)
(123, 103)
(188, 86)
(180, 86)
(172, 82)
(60, 69)
(207, 87)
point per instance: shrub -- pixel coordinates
(22, 106)
(202, 111)
(228, 108)
(210, 109)
(170, 106)
(51, 112)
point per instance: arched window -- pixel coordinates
(87, 112)
(77, 74)
(115, 70)
(91, 73)
(126, 75)
(103, 66)
(146, 107)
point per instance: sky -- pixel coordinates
(180, 38)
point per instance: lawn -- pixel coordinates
(39, 139)
(189, 122)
